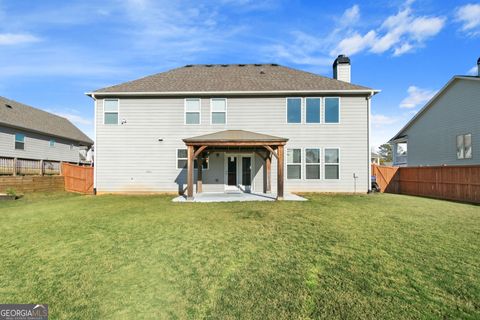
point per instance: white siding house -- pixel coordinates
(446, 131)
(140, 127)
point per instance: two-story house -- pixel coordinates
(234, 127)
(446, 131)
(30, 133)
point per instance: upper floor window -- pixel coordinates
(332, 110)
(464, 146)
(294, 163)
(52, 143)
(182, 160)
(294, 110)
(312, 110)
(312, 163)
(19, 141)
(192, 111)
(110, 109)
(219, 110)
(332, 164)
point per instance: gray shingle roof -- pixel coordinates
(233, 77)
(235, 136)
(19, 115)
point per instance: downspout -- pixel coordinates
(369, 130)
(94, 145)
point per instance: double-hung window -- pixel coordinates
(312, 163)
(332, 110)
(19, 141)
(332, 164)
(464, 146)
(110, 111)
(294, 110)
(294, 164)
(52, 143)
(219, 110)
(192, 111)
(312, 110)
(182, 160)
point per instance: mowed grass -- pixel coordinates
(333, 257)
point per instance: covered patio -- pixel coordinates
(262, 145)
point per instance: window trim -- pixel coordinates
(325, 111)
(294, 163)
(177, 158)
(211, 112)
(118, 111)
(185, 112)
(464, 146)
(301, 111)
(321, 113)
(15, 140)
(319, 164)
(339, 163)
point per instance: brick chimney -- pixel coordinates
(342, 68)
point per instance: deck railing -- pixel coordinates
(20, 166)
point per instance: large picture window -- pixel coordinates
(294, 163)
(332, 164)
(312, 107)
(312, 163)
(192, 111)
(219, 110)
(182, 160)
(464, 146)
(19, 141)
(332, 110)
(294, 110)
(110, 109)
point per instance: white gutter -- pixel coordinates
(183, 93)
(369, 130)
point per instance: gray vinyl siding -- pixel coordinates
(131, 158)
(37, 146)
(432, 137)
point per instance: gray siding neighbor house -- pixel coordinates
(446, 131)
(30, 133)
(238, 127)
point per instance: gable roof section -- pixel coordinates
(19, 115)
(232, 78)
(400, 134)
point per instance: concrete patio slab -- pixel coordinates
(236, 196)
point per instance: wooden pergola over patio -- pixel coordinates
(265, 146)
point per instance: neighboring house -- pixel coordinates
(375, 158)
(236, 120)
(446, 131)
(30, 133)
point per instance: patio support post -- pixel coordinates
(199, 173)
(280, 178)
(190, 155)
(268, 165)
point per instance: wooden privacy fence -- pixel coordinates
(18, 166)
(459, 183)
(78, 178)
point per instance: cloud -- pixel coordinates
(17, 38)
(473, 71)
(469, 16)
(399, 34)
(351, 15)
(379, 120)
(75, 118)
(416, 97)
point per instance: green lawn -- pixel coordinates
(335, 256)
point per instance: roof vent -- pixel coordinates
(8, 106)
(241, 65)
(257, 64)
(209, 65)
(189, 66)
(274, 64)
(224, 65)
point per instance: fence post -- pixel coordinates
(61, 168)
(42, 170)
(14, 166)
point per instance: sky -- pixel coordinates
(52, 52)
